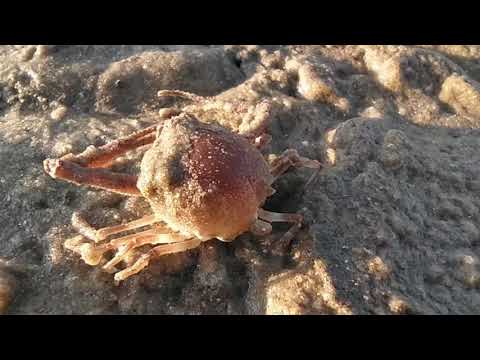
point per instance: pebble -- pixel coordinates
(462, 94)
(378, 268)
(44, 50)
(27, 53)
(398, 305)
(59, 113)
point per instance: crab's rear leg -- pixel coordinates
(97, 235)
(160, 250)
(296, 219)
(260, 227)
(291, 158)
(93, 253)
(279, 166)
(127, 244)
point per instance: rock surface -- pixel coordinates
(392, 221)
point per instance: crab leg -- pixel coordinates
(103, 156)
(290, 158)
(285, 217)
(128, 243)
(261, 228)
(160, 250)
(83, 168)
(92, 254)
(91, 233)
(158, 231)
(124, 184)
(107, 231)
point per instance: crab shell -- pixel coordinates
(204, 181)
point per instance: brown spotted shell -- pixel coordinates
(203, 180)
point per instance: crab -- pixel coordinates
(201, 181)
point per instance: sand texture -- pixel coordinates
(392, 222)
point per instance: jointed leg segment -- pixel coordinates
(157, 251)
(290, 158)
(103, 156)
(126, 244)
(279, 166)
(91, 233)
(124, 184)
(92, 253)
(285, 217)
(85, 168)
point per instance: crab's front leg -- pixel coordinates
(86, 168)
(101, 178)
(103, 156)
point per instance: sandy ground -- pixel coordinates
(392, 221)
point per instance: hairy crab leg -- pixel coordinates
(290, 158)
(157, 251)
(283, 217)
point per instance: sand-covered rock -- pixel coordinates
(391, 221)
(463, 95)
(130, 85)
(385, 64)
